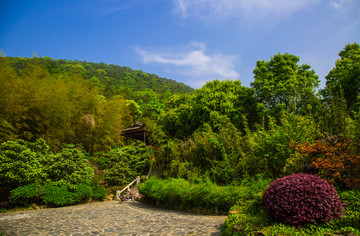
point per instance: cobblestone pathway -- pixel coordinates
(108, 218)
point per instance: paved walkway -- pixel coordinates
(108, 218)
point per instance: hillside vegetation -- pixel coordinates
(76, 102)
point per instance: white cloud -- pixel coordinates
(246, 9)
(197, 65)
(181, 7)
(340, 4)
(336, 5)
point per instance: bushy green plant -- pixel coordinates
(180, 194)
(83, 192)
(246, 217)
(121, 165)
(25, 195)
(271, 148)
(205, 155)
(54, 195)
(69, 167)
(98, 190)
(22, 162)
(351, 218)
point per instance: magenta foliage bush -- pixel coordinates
(302, 198)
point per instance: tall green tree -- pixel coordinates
(215, 102)
(217, 99)
(282, 83)
(345, 77)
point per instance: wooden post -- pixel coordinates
(138, 180)
(117, 195)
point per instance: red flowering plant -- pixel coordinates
(302, 198)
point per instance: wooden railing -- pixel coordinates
(118, 192)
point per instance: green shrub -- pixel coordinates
(69, 167)
(248, 216)
(83, 192)
(54, 195)
(22, 163)
(25, 195)
(180, 194)
(57, 195)
(98, 191)
(121, 165)
(269, 148)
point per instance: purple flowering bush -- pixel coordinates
(302, 198)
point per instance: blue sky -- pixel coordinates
(190, 41)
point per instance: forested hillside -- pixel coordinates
(76, 102)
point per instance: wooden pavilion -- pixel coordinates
(137, 131)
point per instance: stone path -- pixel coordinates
(108, 218)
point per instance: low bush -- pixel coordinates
(57, 195)
(69, 167)
(180, 194)
(53, 195)
(25, 195)
(351, 218)
(22, 163)
(302, 198)
(99, 191)
(83, 192)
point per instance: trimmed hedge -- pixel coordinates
(302, 198)
(53, 195)
(203, 197)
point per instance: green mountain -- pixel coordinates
(112, 79)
